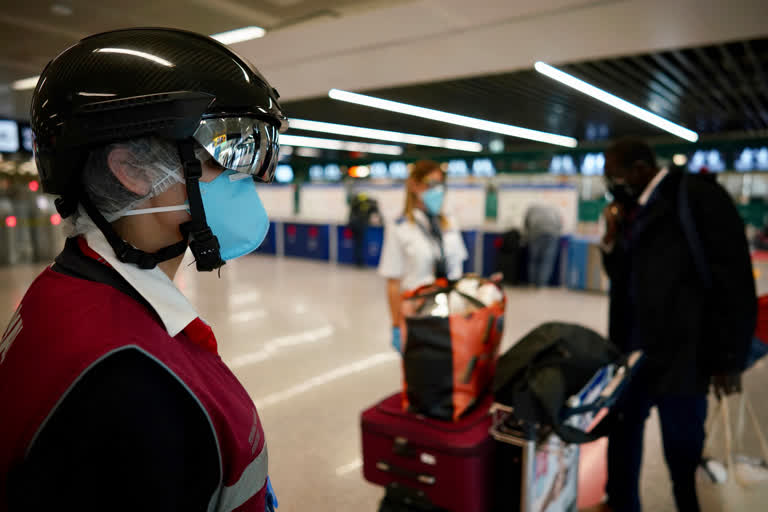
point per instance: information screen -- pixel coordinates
(752, 159)
(9, 136)
(712, 160)
(284, 173)
(483, 167)
(332, 172)
(26, 138)
(316, 172)
(379, 170)
(593, 164)
(458, 168)
(398, 170)
(562, 164)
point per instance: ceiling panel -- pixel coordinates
(711, 89)
(31, 31)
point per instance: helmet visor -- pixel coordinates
(242, 144)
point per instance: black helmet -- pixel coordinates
(173, 84)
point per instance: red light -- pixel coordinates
(498, 242)
(347, 233)
(291, 230)
(34, 186)
(10, 221)
(55, 219)
(312, 232)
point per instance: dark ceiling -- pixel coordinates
(712, 90)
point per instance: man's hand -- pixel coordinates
(724, 385)
(614, 214)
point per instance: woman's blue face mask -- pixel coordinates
(433, 198)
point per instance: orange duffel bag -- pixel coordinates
(452, 334)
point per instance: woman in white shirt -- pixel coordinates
(423, 244)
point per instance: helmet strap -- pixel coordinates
(204, 244)
(124, 251)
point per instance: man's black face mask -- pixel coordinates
(623, 192)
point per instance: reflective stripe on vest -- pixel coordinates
(253, 480)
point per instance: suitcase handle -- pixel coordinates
(402, 449)
(413, 475)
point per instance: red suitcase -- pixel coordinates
(450, 463)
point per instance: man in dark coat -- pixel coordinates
(682, 290)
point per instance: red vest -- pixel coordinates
(65, 325)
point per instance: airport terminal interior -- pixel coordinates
(515, 101)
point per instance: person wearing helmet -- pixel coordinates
(113, 394)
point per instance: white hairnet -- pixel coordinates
(154, 160)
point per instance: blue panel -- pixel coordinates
(490, 250)
(346, 251)
(576, 273)
(307, 241)
(374, 239)
(470, 241)
(557, 277)
(269, 245)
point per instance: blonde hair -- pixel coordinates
(419, 173)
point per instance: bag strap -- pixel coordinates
(756, 426)
(725, 414)
(711, 428)
(450, 287)
(435, 234)
(728, 441)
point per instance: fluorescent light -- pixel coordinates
(26, 83)
(616, 102)
(340, 145)
(239, 35)
(370, 133)
(445, 117)
(136, 53)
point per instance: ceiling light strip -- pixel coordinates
(239, 35)
(445, 117)
(616, 102)
(25, 83)
(339, 145)
(370, 133)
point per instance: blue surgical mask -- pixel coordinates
(233, 211)
(433, 199)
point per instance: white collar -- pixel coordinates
(420, 216)
(153, 285)
(649, 189)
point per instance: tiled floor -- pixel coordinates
(310, 342)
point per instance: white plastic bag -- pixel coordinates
(736, 482)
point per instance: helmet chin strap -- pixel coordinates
(196, 233)
(124, 251)
(204, 244)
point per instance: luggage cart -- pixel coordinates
(535, 475)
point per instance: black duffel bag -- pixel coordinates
(538, 375)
